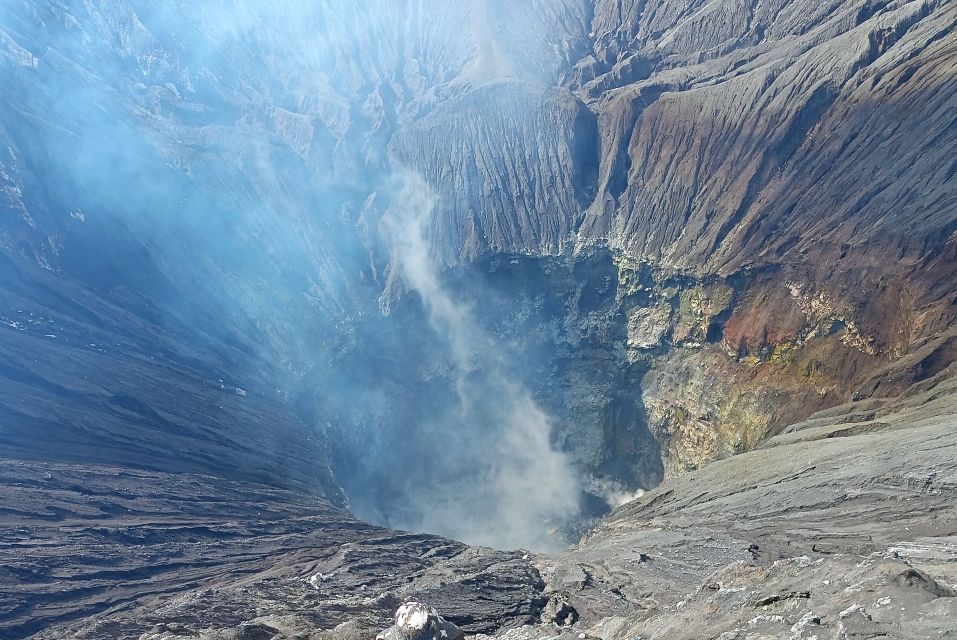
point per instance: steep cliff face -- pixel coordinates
(785, 167)
(498, 157)
(679, 227)
(716, 553)
(771, 183)
(794, 152)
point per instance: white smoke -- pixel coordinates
(613, 493)
(515, 489)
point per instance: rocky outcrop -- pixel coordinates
(836, 528)
(748, 136)
(498, 157)
(416, 621)
(92, 551)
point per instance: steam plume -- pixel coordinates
(507, 485)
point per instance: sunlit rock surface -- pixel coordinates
(417, 621)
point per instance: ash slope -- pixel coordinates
(841, 527)
(715, 218)
(91, 551)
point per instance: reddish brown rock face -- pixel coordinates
(764, 316)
